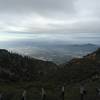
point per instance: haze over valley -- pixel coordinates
(58, 48)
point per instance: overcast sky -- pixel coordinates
(50, 17)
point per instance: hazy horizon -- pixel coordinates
(58, 48)
(36, 25)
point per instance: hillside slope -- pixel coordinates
(18, 73)
(14, 67)
(80, 69)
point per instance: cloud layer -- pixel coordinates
(50, 16)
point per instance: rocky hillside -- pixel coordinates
(80, 69)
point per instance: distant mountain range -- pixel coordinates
(57, 53)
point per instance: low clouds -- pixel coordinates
(50, 16)
(49, 39)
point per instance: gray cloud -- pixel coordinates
(50, 16)
(37, 6)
